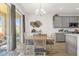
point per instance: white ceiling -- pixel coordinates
(50, 8)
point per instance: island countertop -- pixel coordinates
(71, 34)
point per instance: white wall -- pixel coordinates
(46, 21)
(27, 23)
(47, 24)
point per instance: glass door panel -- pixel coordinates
(3, 40)
(18, 27)
(1, 23)
(4, 27)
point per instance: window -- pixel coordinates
(18, 28)
(1, 24)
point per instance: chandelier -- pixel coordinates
(40, 11)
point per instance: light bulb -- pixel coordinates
(41, 9)
(44, 12)
(37, 10)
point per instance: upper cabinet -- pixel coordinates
(64, 21)
(72, 19)
(57, 22)
(77, 18)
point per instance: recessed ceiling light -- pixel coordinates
(61, 8)
(77, 8)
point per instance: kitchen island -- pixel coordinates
(72, 44)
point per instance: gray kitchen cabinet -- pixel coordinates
(71, 45)
(60, 37)
(72, 19)
(65, 22)
(57, 21)
(77, 20)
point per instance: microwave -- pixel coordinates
(73, 24)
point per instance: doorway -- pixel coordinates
(18, 27)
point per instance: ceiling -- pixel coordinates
(50, 8)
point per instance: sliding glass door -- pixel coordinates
(18, 27)
(4, 27)
(1, 29)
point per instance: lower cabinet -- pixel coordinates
(60, 37)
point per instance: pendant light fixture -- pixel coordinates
(40, 11)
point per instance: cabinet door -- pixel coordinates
(57, 22)
(72, 19)
(77, 17)
(60, 37)
(65, 21)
